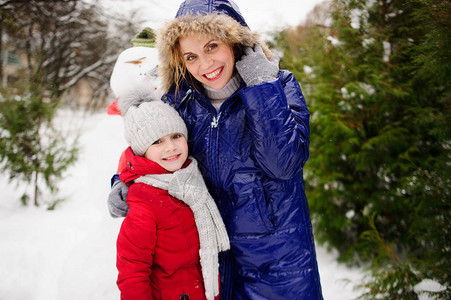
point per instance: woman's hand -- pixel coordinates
(255, 68)
(117, 204)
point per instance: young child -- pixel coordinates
(169, 241)
(249, 130)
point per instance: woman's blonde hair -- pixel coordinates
(219, 26)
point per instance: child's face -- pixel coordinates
(170, 151)
(210, 61)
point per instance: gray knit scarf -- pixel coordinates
(188, 186)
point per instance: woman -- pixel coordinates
(249, 130)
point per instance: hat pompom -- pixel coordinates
(137, 96)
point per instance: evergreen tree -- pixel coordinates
(56, 41)
(62, 42)
(378, 179)
(31, 149)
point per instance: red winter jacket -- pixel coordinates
(158, 243)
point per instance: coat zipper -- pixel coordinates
(214, 144)
(215, 122)
(225, 290)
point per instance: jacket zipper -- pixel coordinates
(225, 290)
(215, 122)
(214, 144)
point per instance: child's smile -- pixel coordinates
(172, 158)
(170, 151)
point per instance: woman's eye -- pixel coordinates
(156, 142)
(176, 136)
(190, 57)
(212, 46)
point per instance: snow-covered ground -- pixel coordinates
(69, 253)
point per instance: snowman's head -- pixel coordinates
(136, 68)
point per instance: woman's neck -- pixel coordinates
(217, 97)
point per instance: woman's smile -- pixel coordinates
(209, 61)
(215, 74)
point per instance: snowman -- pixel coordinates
(136, 69)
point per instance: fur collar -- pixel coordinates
(218, 26)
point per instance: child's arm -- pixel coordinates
(278, 116)
(135, 250)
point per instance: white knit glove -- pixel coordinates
(255, 68)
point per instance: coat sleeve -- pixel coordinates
(279, 120)
(135, 249)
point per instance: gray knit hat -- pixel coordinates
(147, 119)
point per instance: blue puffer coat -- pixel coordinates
(251, 153)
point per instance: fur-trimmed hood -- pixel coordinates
(218, 19)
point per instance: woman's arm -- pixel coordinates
(279, 120)
(117, 204)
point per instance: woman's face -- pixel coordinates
(210, 61)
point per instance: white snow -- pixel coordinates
(69, 253)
